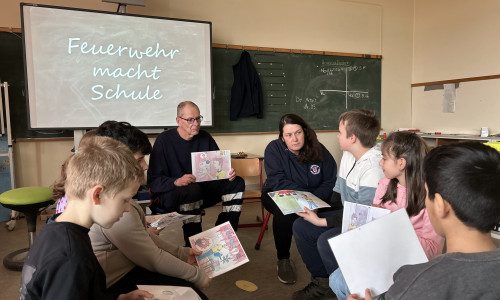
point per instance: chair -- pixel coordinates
(28, 200)
(250, 167)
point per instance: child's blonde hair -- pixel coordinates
(58, 186)
(101, 161)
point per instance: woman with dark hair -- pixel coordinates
(294, 161)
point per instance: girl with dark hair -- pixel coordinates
(294, 161)
(402, 161)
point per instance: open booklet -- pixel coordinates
(369, 255)
(170, 292)
(356, 214)
(290, 202)
(221, 249)
(163, 220)
(211, 165)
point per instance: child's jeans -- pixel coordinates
(339, 286)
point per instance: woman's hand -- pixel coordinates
(312, 217)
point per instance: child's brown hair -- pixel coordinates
(364, 124)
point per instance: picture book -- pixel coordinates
(369, 255)
(291, 202)
(211, 165)
(221, 249)
(170, 292)
(163, 220)
(356, 214)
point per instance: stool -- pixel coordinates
(27, 200)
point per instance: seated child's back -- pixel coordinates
(101, 180)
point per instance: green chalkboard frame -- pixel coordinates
(319, 86)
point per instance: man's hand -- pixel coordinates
(192, 256)
(186, 179)
(312, 217)
(368, 296)
(136, 295)
(232, 174)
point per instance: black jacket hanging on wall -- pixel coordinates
(246, 93)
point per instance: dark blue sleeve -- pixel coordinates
(274, 160)
(159, 180)
(329, 171)
(212, 144)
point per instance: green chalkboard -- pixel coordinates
(12, 72)
(319, 88)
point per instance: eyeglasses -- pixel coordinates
(192, 120)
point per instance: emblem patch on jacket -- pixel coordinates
(314, 169)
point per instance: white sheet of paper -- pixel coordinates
(169, 292)
(161, 221)
(356, 215)
(369, 255)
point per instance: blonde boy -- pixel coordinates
(101, 180)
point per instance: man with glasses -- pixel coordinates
(172, 185)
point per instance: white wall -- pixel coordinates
(373, 27)
(456, 40)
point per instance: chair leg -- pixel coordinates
(262, 231)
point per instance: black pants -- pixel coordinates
(191, 199)
(141, 276)
(282, 227)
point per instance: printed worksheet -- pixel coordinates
(221, 249)
(290, 202)
(211, 165)
(356, 214)
(163, 220)
(169, 292)
(369, 255)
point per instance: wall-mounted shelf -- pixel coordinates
(434, 140)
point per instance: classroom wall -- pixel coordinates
(374, 26)
(456, 40)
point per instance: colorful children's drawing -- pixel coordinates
(160, 221)
(356, 215)
(294, 201)
(221, 249)
(211, 165)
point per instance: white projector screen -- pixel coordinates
(85, 67)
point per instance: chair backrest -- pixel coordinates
(250, 167)
(246, 167)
